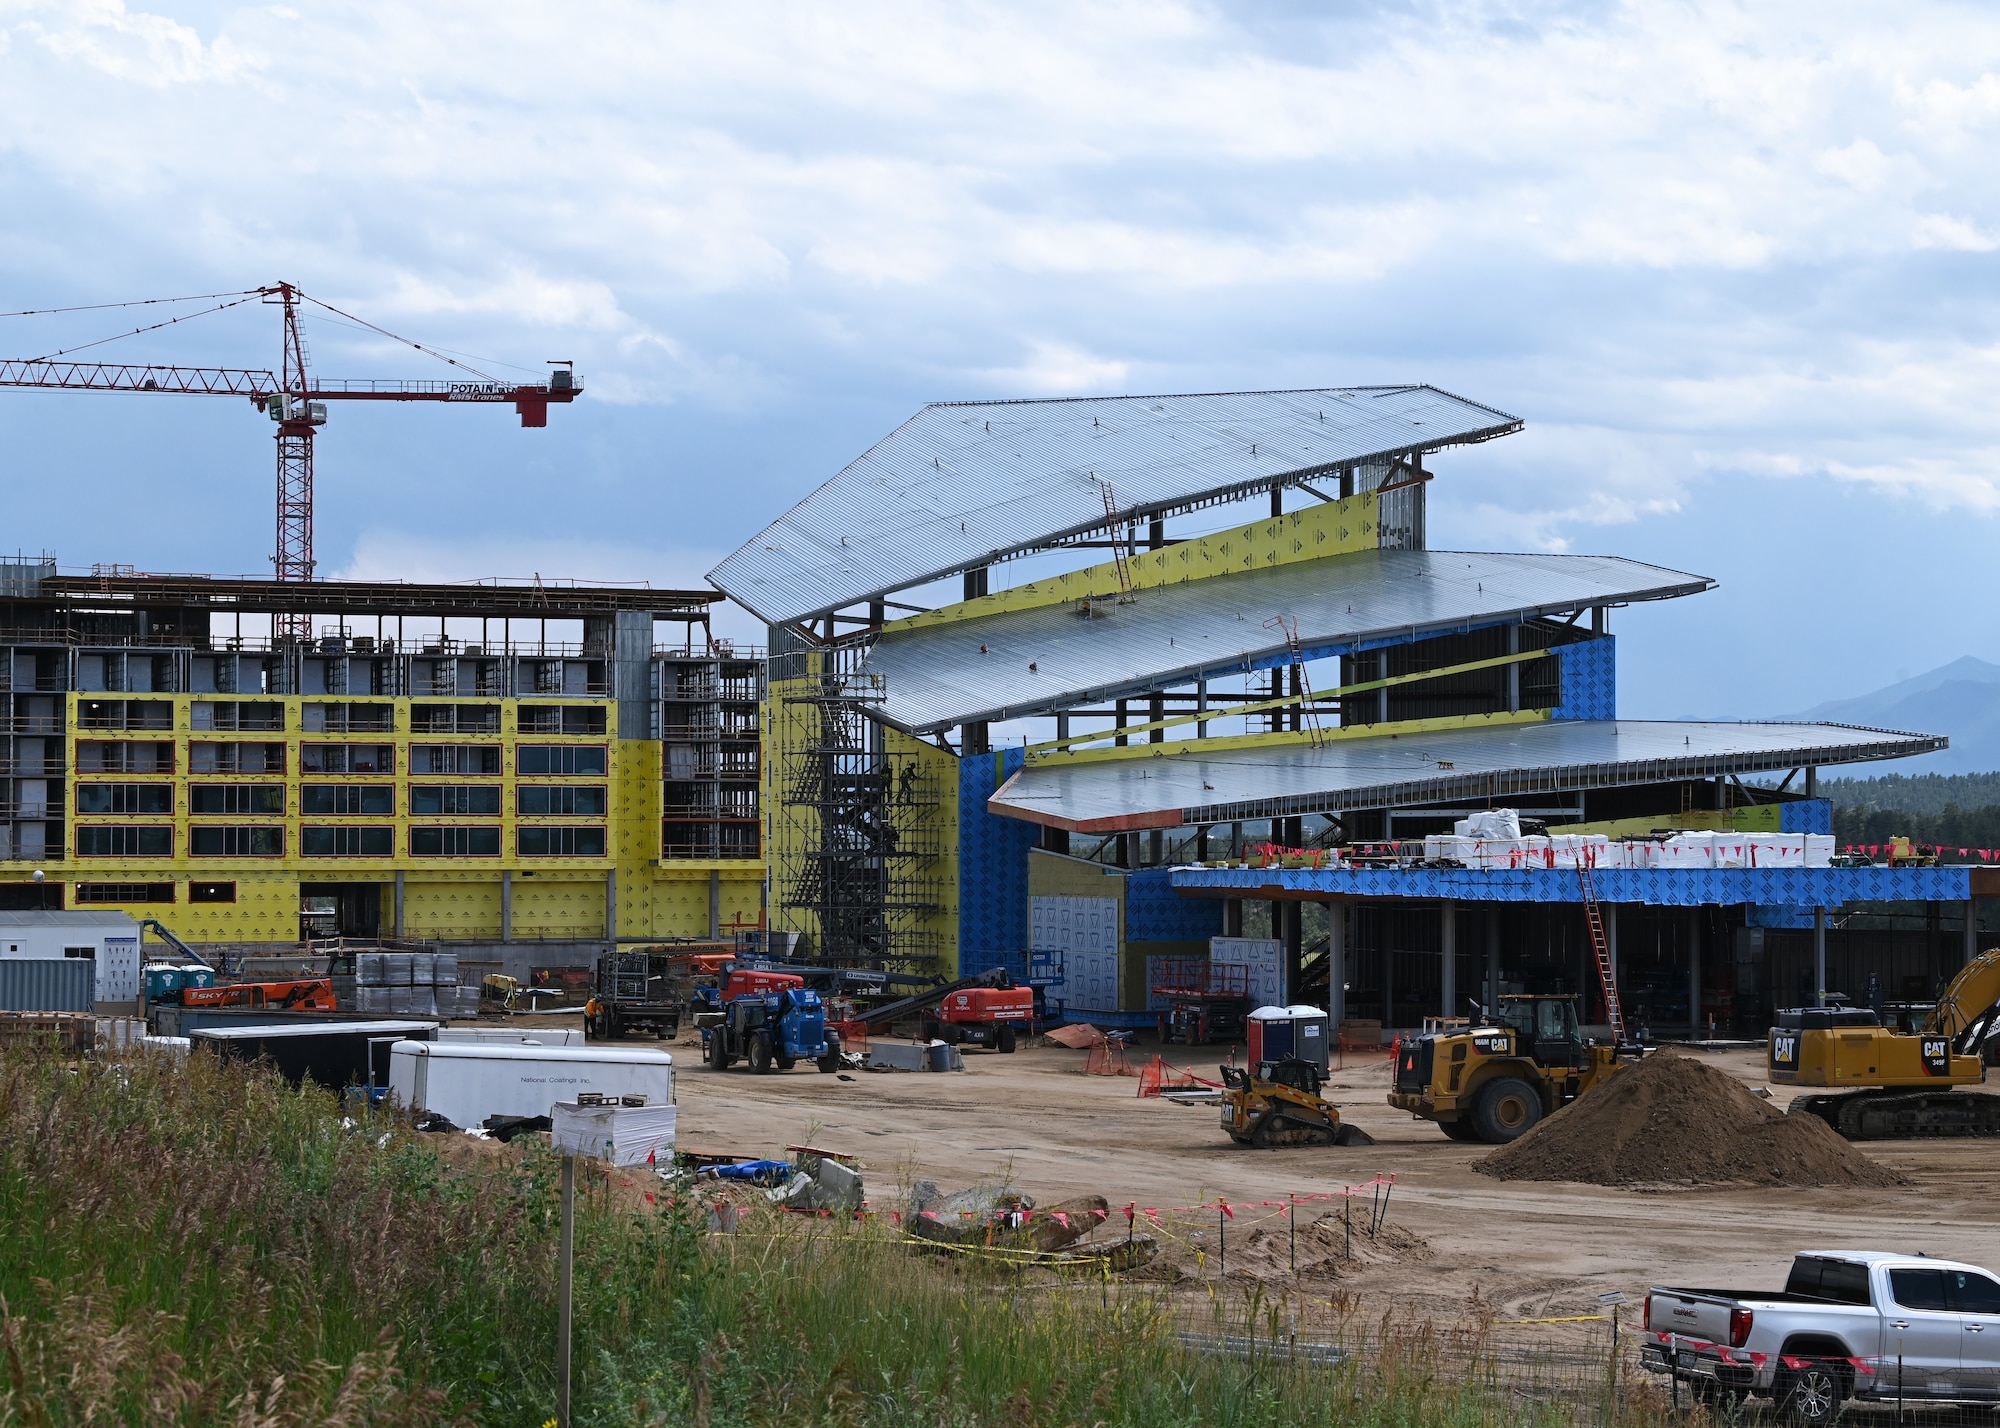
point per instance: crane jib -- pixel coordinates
(138, 377)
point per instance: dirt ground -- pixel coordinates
(1033, 1120)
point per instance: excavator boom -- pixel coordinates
(1969, 1002)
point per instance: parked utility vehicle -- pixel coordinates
(1849, 1324)
(769, 1029)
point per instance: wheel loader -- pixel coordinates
(1884, 1082)
(1277, 1103)
(1493, 1080)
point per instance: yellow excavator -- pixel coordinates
(1891, 1075)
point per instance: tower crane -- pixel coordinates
(294, 399)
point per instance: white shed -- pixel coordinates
(110, 939)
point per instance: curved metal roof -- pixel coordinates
(963, 484)
(1020, 663)
(1185, 785)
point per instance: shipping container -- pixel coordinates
(47, 984)
(468, 1082)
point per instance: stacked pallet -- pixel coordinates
(412, 984)
(72, 1032)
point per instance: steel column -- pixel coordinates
(1448, 942)
(1819, 956)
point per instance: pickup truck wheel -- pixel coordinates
(1007, 1040)
(1811, 1396)
(760, 1052)
(1505, 1110)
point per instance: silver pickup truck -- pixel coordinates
(1849, 1324)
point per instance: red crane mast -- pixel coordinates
(296, 401)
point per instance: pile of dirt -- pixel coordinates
(1671, 1119)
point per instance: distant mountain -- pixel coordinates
(1960, 700)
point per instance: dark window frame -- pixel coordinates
(248, 833)
(161, 835)
(123, 792)
(354, 834)
(565, 755)
(347, 793)
(552, 835)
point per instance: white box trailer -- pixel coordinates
(108, 939)
(514, 1036)
(466, 1082)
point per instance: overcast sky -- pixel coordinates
(1734, 266)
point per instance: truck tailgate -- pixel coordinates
(1693, 1313)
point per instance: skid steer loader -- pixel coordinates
(1278, 1103)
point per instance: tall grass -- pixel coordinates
(201, 1244)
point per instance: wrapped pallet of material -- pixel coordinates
(1774, 850)
(396, 969)
(1687, 850)
(1440, 846)
(623, 1135)
(371, 969)
(1504, 823)
(374, 999)
(421, 964)
(444, 969)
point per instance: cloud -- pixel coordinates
(1692, 242)
(1057, 369)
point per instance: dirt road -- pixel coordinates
(1032, 1120)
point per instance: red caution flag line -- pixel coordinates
(1132, 1212)
(1875, 850)
(1229, 1208)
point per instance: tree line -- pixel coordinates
(1941, 810)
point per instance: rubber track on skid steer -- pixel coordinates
(1905, 1115)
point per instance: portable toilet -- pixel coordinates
(165, 981)
(1281, 1033)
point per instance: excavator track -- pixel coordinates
(1904, 1115)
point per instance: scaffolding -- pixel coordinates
(864, 869)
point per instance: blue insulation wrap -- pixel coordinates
(1660, 887)
(1809, 815)
(1154, 912)
(992, 863)
(1589, 680)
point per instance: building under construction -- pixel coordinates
(532, 768)
(987, 746)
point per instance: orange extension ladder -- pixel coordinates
(1607, 975)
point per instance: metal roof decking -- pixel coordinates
(963, 484)
(978, 668)
(1185, 786)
